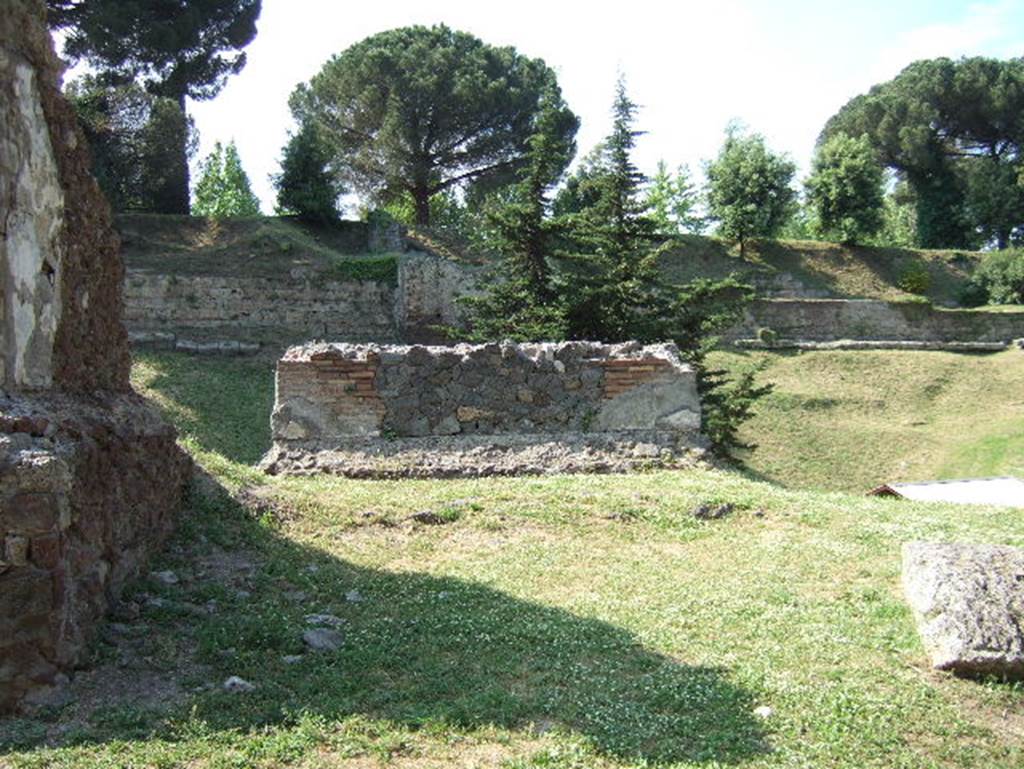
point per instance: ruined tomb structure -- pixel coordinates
(493, 409)
(90, 475)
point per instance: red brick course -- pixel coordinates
(623, 375)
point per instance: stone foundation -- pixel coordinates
(88, 490)
(397, 411)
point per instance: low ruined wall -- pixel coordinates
(471, 396)
(827, 320)
(87, 493)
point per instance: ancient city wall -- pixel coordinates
(482, 398)
(827, 320)
(284, 310)
(162, 309)
(90, 475)
(289, 309)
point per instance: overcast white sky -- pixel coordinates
(782, 67)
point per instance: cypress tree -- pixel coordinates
(223, 189)
(523, 304)
(306, 185)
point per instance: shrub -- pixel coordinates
(1000, 277)
(972, 294)
(914, 278)
(379, 269)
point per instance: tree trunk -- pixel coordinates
(177, 189)
(421, 196)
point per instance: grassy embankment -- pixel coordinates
(272, 246)
(553, 622)
(856, 272)
(850, 421)
(259, 247)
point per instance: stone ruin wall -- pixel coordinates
(90, 475)
(164, 310)
(469, 398)
(168, 311)
(62, 272)
(829, 320)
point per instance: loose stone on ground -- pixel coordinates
(323, 639)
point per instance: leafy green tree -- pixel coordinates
(995, 200)
(801, 225)
(307, 185)
(671, 201)
(749, 192)
(177, 49)
(846, 188)
(133, 136)
(421, 110)
(934, 124)
(223, 189)
(899, 218)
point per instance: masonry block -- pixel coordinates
(333, 395)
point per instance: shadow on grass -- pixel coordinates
(223, 404)
(420, 653)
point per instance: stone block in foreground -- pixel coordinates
(969, 604)
(493, 409)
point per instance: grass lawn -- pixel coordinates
(567, 621)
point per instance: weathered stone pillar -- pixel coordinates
(90, 474)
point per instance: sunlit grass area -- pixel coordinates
(557, 622)
(853, 420)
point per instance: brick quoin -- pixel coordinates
(620, 376)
